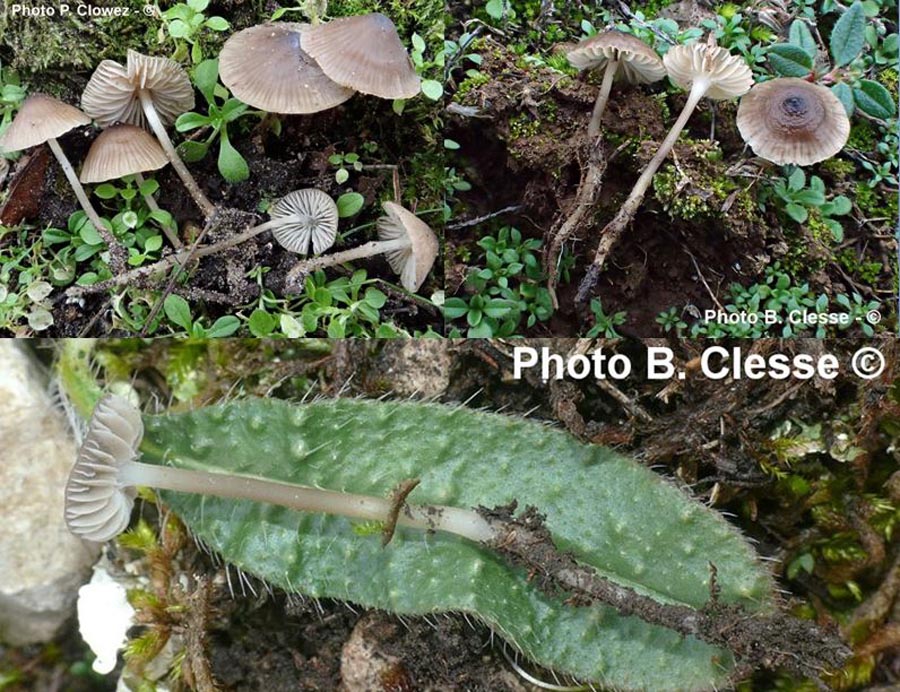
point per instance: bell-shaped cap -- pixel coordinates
(727, 75)
(97, 506)
(363, 53)
(265, 67)
(119, 151)
(790, 120)
(112, 94)
(638, 62)
(306, 217)
(39, 119)
(414, 262)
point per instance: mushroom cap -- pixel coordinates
(638, 62)
(98, 507)
(412, 263)
(40, 118)
(728, 74)
(119, 151)
(111, 95)
(307, 216)
(363, 53)
(791, 120)
(265, 67)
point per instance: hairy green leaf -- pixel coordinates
(848, 35)
(874, 99)
(789, 60)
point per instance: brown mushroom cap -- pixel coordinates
(310, 218)
(790, 120)
(639, 63)
(265, 67)
(412, 264)
(40, 118)
(363, 53)
(111, 95)
(119, 151)
(728, 74)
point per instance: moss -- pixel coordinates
(473, 80)
(888, 79)
(875, 204)
(863, 136)
(523, 125)
(867, 272)
(838, 168)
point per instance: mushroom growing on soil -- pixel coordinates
(619, 55)
(707, 70)
(101, 488)
(42, 119)
(410, 245)
(265, 67)
(363, 53)
(153, 89)
(790, 120)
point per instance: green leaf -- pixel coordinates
(839, 206)
(179, 29)
(845, 95)
(797, 180)
(341, 176)
(153, 243)
(375, 298)
(837, 231)
(796, 212)
(349, 204)
(217, 24)
(191, 121)
(192, 151)
(801, 36)
(149, 187)
(789, 60)
(261, 323)
(494, 8)
(89, 234)
(205, 76)
(291, 327)
(106, 191)
(455, 308)
(451, 144)
(432, 89)
(231, 164)
(848, 35)
(224, 326)
(178, 311)
(480, 331)
(232, 109)
(874, 99)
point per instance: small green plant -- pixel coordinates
(431, 88)
(797, 196)
(605, 325)
(345, 163)
(133, 218)
(178, 311)
(184, 23)
(670, 320)
(12, 93)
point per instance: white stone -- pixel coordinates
(104, 616)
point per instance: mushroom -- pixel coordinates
(706, 70)
(155, 89)
(410, 245)
(43, 118)
(790, 120)
(100, 491)
(619, 55)
(123, 150)
(265, 67)
(363, 53)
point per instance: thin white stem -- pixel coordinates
(160, 131)
(150, 201)
(374, 247)
(461, 522)
(594, 126)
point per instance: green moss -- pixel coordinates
(523, 125)
(867, 272)
(863, 136)
(838, 168)
(888, 79)
(873, 203)
(474, 80)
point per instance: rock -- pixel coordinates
(41, 564)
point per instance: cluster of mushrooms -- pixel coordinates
(286, 68)
(784, 120)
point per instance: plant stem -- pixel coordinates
(374, 247)
(156, 125)
(594, 126)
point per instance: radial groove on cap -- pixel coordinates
(119, 151)
(40, 118)
(265, 67)
(790, 120)
(412, 263)
(639, 63)
(728, 74)
(363, 53)
(308, 217)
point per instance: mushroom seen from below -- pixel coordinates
(792, 121)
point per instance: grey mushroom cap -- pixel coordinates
(39, 119)
(265, 67)
(119, 151)
(112, 93)
(310, 218)
(728, 75)
(363, 53)
(638, 62)
(98, 507)
(412, 264)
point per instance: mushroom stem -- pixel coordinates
(156, 125)
(117, 252)
(613, 230)
(150, 201)
(600, 105)
(465, 523)
(374, 247)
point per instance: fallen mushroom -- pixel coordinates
(789, 120)
(410, 245)
(363, 53)
(707, 70)
(619, 55)
(123, 150)
(265, 67)
(43, 118)
(153, 89)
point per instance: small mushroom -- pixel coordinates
(363, 53)
(155, 89)
(265, 67)
(410, 245)
(303, 218)
(100, 491)
(619, 55)
(790, 120)
(123, 150)
(42, 119)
